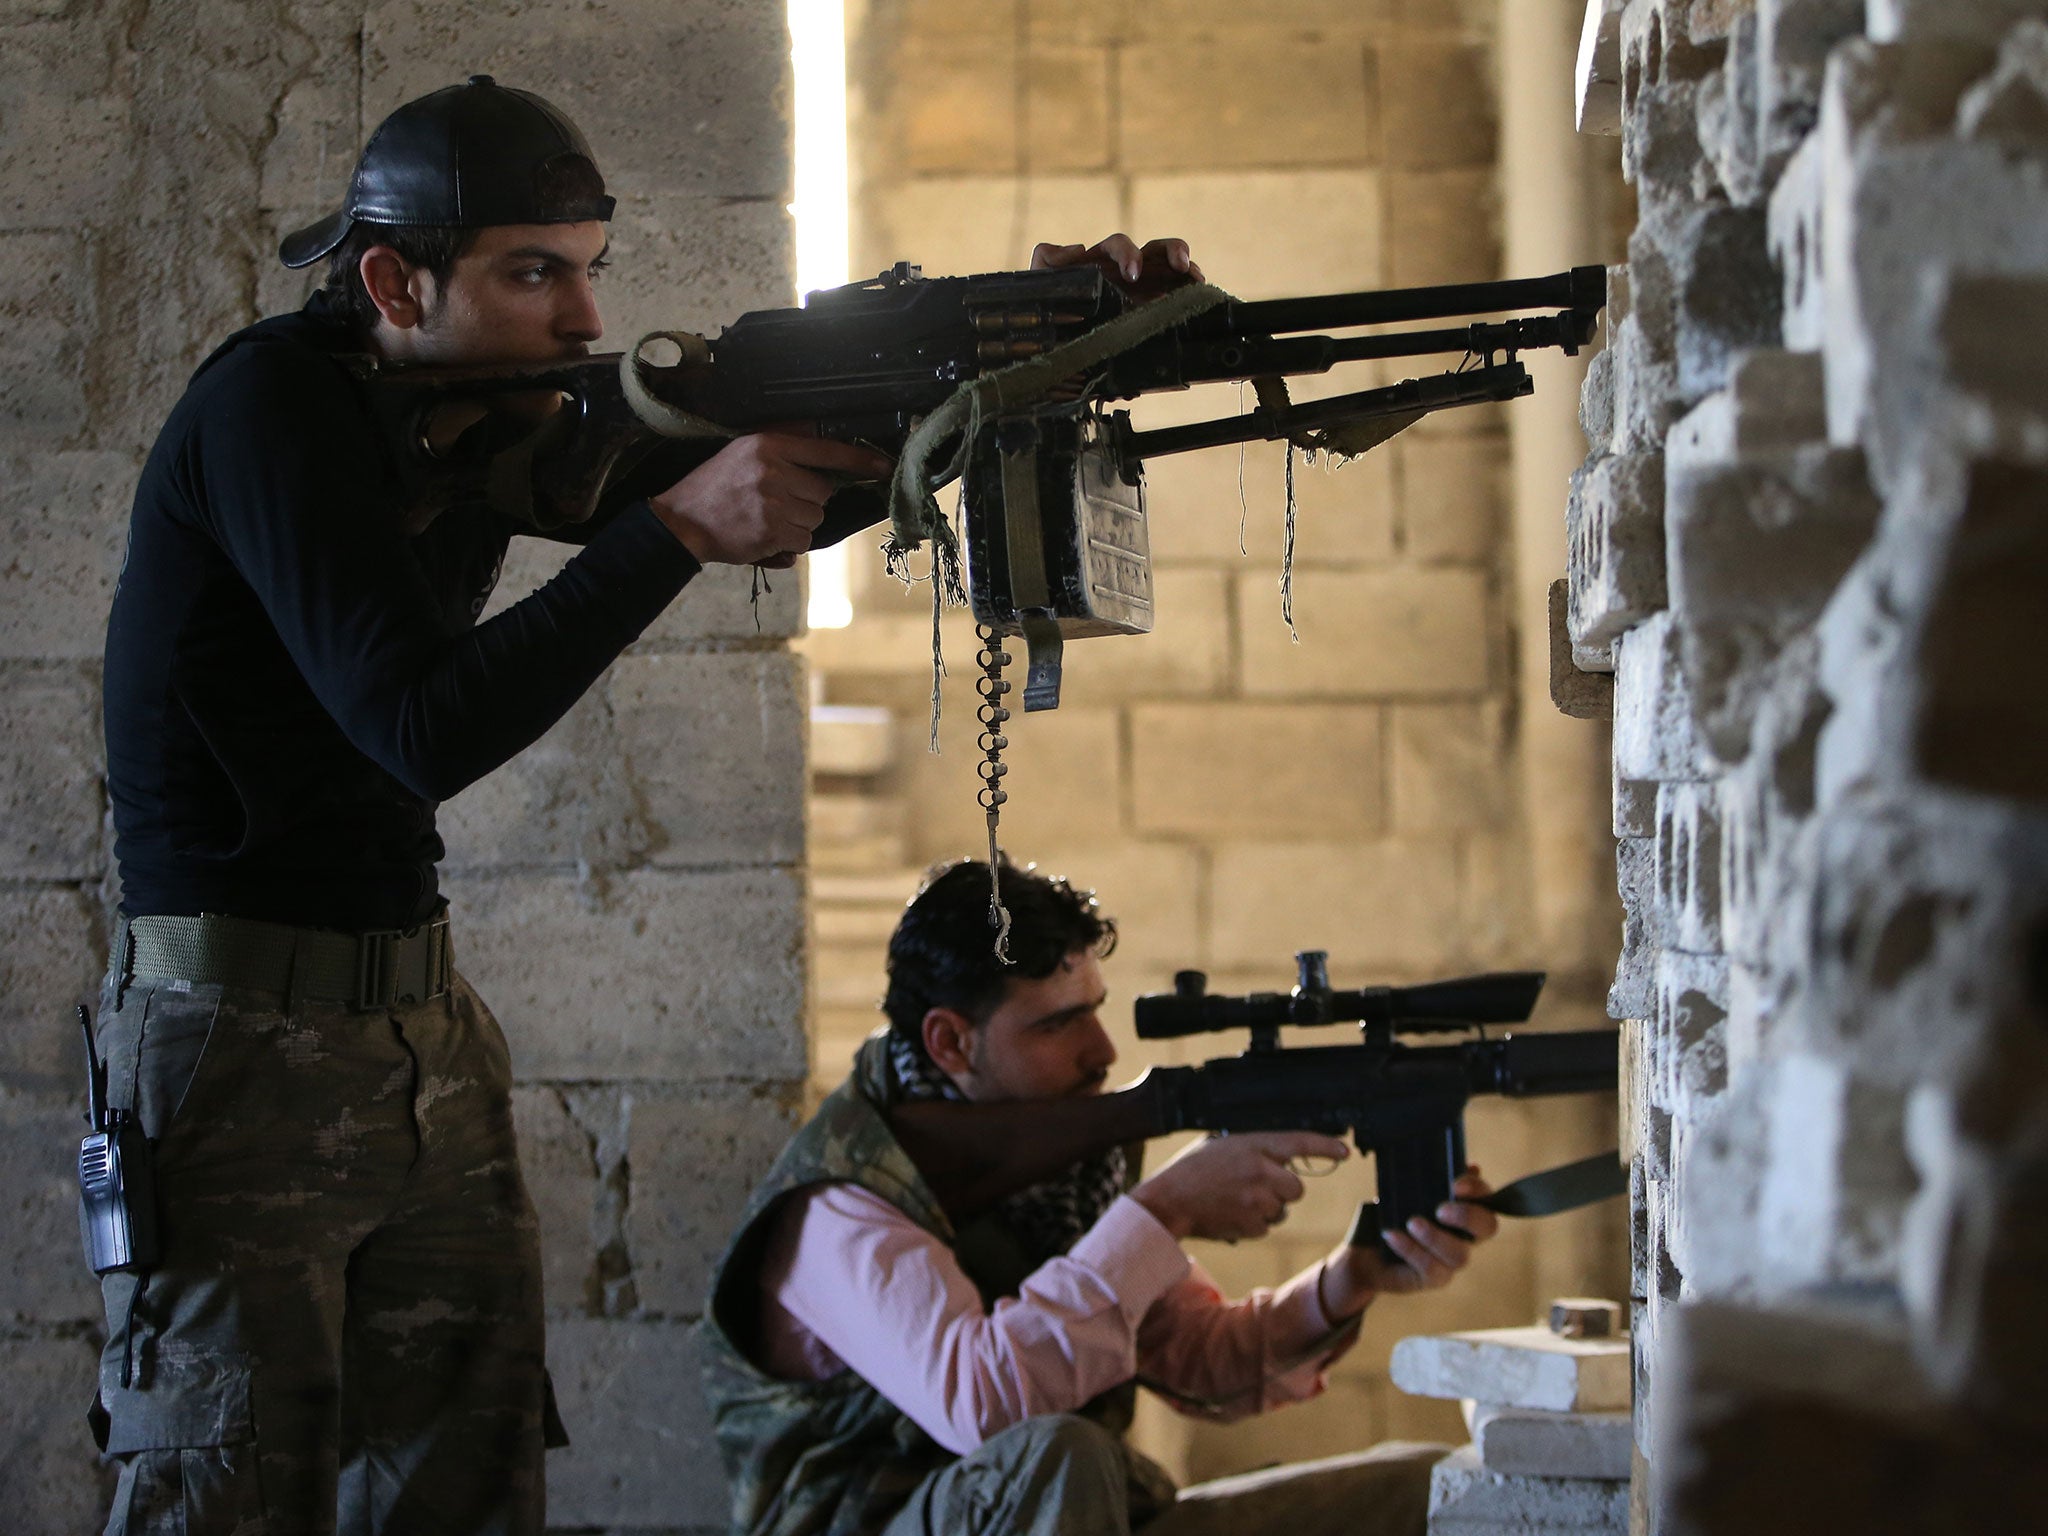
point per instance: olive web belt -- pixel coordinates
(363, 970)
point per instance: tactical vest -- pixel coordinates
(835, 1457)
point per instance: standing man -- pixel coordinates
(345, 1318)
(872, 1367)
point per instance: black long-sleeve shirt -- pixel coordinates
(292, 683)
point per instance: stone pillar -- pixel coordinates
(629, 893)
(1798, 544)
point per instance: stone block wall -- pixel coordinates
(628, 893)
(1807, 543)
(1233, 795)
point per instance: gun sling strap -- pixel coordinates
(1564, 1188)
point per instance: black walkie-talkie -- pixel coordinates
(116, 1178)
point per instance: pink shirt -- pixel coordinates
(850, 1282)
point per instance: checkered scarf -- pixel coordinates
(1047, 1218)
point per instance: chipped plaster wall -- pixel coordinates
(628, 893)
(1235, 797)
(1808, 543)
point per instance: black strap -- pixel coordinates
(1591, 1179)
(1566, 1188)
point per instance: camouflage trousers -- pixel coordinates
(344, 1332)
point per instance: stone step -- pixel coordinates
(1528, 1442)
(1517, 1368)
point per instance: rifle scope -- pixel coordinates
(1499, 997)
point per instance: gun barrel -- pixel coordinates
(1583, 288)
(1537, 1065)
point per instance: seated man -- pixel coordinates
(874, 1368)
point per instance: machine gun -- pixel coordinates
(1403, 1104)
(1053, 490)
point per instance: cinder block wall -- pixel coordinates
(1235, 796)
(1808, 544)
(629, 893)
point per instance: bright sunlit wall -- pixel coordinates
(817, 33)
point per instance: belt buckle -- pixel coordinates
(373, 968)
(393, 966)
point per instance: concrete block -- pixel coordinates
(1291, 770)
(69, 515)
(1524, 1442)
(1980, 723)
(1661, 155)
(568, 1181)
(980, 223)
(1333, 217)
(695, 1157)
(1466, 1498)
(1654, 735)
(1066, 777)
(45, 319)
(1368, 634)
(67, 122)
(1517, 1368)
(43, 1277)
(53, 957)
(1793, 233)
(1449, 767)
(1445, 229)
(675, 975)
(1187, 654)
(1218, 505)
(952, 105)
(1269, 98)
(1635, 971)
(318, 130)
(1727, 110)
(1614, 524)
(1596, 75)
(1689, 1038)
(1155, 891)
(50, 772)
(1689, 859)
(620, 70)
(1922, 22)
(1452, 491)
(1794, 39)
(1973, 207)
(1578, 694)
(714, 746)
(694, 261)
(1896, 915)
(641, 1453)
(1437, 104)
(49, 1475)
(1836, 1175)
(1723, 291)
(1372, 905)
(1635, 808)
(679, 759)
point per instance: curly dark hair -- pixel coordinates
(942, 954)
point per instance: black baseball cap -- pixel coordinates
(467, 156)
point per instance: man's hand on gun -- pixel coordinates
(1143, 271)
(1431, 1252)
(1231, 1187)
(758, 500)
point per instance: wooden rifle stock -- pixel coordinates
(973, 1155)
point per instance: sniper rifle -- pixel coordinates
(1404, 1105)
